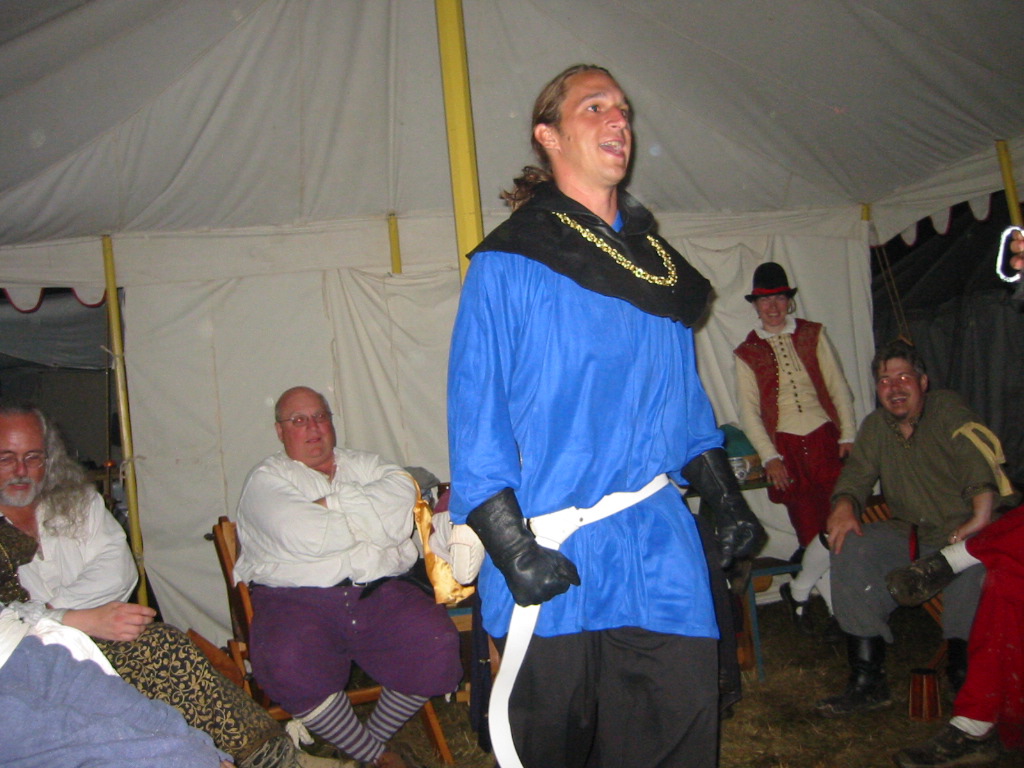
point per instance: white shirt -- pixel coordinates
(85, 570)
(365, 532)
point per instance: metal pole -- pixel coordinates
(396, 244)
(451, 37)
(1006, 166)
(127, 448)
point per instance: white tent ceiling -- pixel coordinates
(169, 115)
(244, 154)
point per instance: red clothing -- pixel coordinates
(994, 689)
(812, 460)
(813, 464)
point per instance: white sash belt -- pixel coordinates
(551, 531)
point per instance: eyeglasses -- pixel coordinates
(302, 420)
(32, 460)
(898, 378)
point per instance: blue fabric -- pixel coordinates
(57, 711)
(565, 396)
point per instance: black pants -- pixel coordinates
(619, 698)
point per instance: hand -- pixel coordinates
(112, 621)
(841, 521)
(775, 469)
(1017, 247)
(538, 574)
(534, 574)
(844, 450)
(968, 529)
(737, 529)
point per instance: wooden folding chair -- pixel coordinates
(225, 539)
(875, 511)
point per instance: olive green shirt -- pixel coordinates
(929, 479)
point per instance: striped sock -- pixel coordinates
(335, 721)
(393, 710)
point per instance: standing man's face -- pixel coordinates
(22, 459)
(901, 389)
(312, 441)
(591, 145)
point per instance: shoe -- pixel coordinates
(921, 580)
(950, 747)
(798, 611)
(854, 700)
(833, 634)
(394, 758)
(867, 689)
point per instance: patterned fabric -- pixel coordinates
(16, 548)
(165, 665)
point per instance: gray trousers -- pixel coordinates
(861, 600)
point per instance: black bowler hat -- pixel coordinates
(770, 279)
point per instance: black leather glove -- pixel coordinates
(534, 574)
(739, 532)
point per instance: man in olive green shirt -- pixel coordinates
(939, 471)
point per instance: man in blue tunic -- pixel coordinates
(573, 389)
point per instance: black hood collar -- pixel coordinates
(535, 232)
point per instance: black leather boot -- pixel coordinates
(867, 688)
(956, 663)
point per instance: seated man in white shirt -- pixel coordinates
(64, 557)
(323, 532)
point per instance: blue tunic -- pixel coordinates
(566, 395)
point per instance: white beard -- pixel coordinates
(9, 498)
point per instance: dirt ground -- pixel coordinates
(774, 726)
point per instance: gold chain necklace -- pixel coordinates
(668, 280)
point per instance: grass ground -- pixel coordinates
(774, 726)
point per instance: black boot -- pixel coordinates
(867, 688)
(956, 663)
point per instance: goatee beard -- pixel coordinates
(23, 498)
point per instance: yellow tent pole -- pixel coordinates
(127, 449)
(1006, 166)
(396, 245)
(451, 38)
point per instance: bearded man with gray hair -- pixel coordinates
(73, 566)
